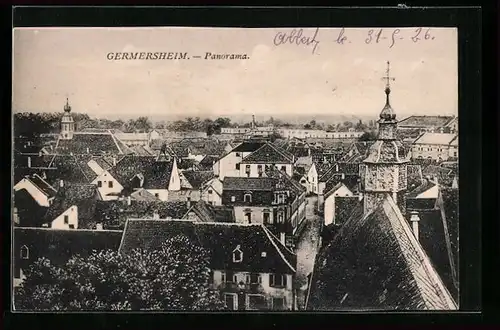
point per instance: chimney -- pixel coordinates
(114, 161)
(282, 238)
(188, 202)
(98, 226)
(414, 219)
(156, 216)
(129, 200)
(343, 176)
(360, 196)
(29, 161)
(61, 183)
(88, 151)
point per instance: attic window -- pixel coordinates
(25, 252)
(233, 199)
(247, 198)
(263, 254)
(237, 254)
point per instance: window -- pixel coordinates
(223, 277)
(71, 226)
(256, 302)
(455, 154)
(210, 203)
(277, 280)
(25, 252)
(247, 198)
(110, 184)
(237, 166)
(248, 217)
(281, 198)
(247, 168)
(280, 217)
(283, 168)
(99, 184)
(66, 219)
(279, 304)
(157, 195)
(210, 191)
(233, 199)
(266, 217)
(253, 279)
(237, 254)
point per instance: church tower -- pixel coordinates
(385, 169)
(67, 123)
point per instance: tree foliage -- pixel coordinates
(368, 136)
(175, 277)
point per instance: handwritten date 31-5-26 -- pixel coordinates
(373, 36)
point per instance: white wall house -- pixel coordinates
(340, 190)
(255, 170)
(106, 185)
(212, 192)
(41, 197)
(67, 220)
(312, 180)
(229, 165)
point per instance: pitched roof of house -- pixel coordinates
(132, 136)
(141, 151)
(450, 201)
(30, 213)
(351, 181)
(69, 168)
(426, 185)
(418, 204)
(156, 173)
(208, 161)
(218, 238)
(334, 189)
(425, 121)
(269, 153)
(197, 178)
(414, 176)
(346, 207)
(114, 214)
(251, 184)
(83, 196)
(435, 138)
(290, 183)
(375, 263)
(143, 195)
(42, 185)
(95, 143)
(210, 146)
(248, 146)
(60, 245)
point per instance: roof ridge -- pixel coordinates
(116, 143)
(281, 243)
(436, 281)
(280, 151)
(48, 184)
(276, 247)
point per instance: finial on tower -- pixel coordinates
(387, 112)
(388, 78)
(67, 107)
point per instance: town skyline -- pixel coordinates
(329, 82)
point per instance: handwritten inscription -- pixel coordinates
(373, 36)
(296, 37)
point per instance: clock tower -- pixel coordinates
(384, 171)
(67, 123)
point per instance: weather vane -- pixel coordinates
(387, 77)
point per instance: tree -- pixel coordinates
(368, 136)
(174, 277)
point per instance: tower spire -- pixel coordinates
(387, 113)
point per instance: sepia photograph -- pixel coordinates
(181, 169)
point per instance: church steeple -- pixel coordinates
(67, 123)
(384, 170)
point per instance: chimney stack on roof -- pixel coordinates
(156, 215)
(88, 150)
(29, 161)
(61, 183)
(415, 219)
(114, 161)
(129, 200)
(282, 238)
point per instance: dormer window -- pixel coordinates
(237, 254)
(25, 252)
(247, 198)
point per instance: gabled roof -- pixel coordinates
(60, 245)
(375, 263)
(84, 196)
(435, 138)
(141, 151)
(208, 161)
(143, 195)
(156, 173)
(96, 143)
(277, 174)
(42, 185)
(269, 153)
(347, 207)
(30, 213)
(198, 178)
(250, 184)
(248, 146)
(426, 185)
(334, 189)
(425, 121)
(420, 204)
(73, 169)
(218, 238)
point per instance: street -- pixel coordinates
(307, 248)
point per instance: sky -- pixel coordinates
(50, 64)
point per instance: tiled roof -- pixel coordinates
(247, 146)
(141, 151)
(414, 176)
(250, 184)
(269, 153)
(425, 121)
(208, 161)
(197, 178)
(211, 147)
(70, 169)
(114, 214)
(375, 263)
(43, 185)
(156, 173)
(96, 143)
(187, 164)
(332, 190)
(84, 196)
(290, 183)
(435, 138)
(21, 160)
(132, 136)
(344, 207)
(143, 195)
(420, 203)
(60, 245)
(450, 200)
(218, 238)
